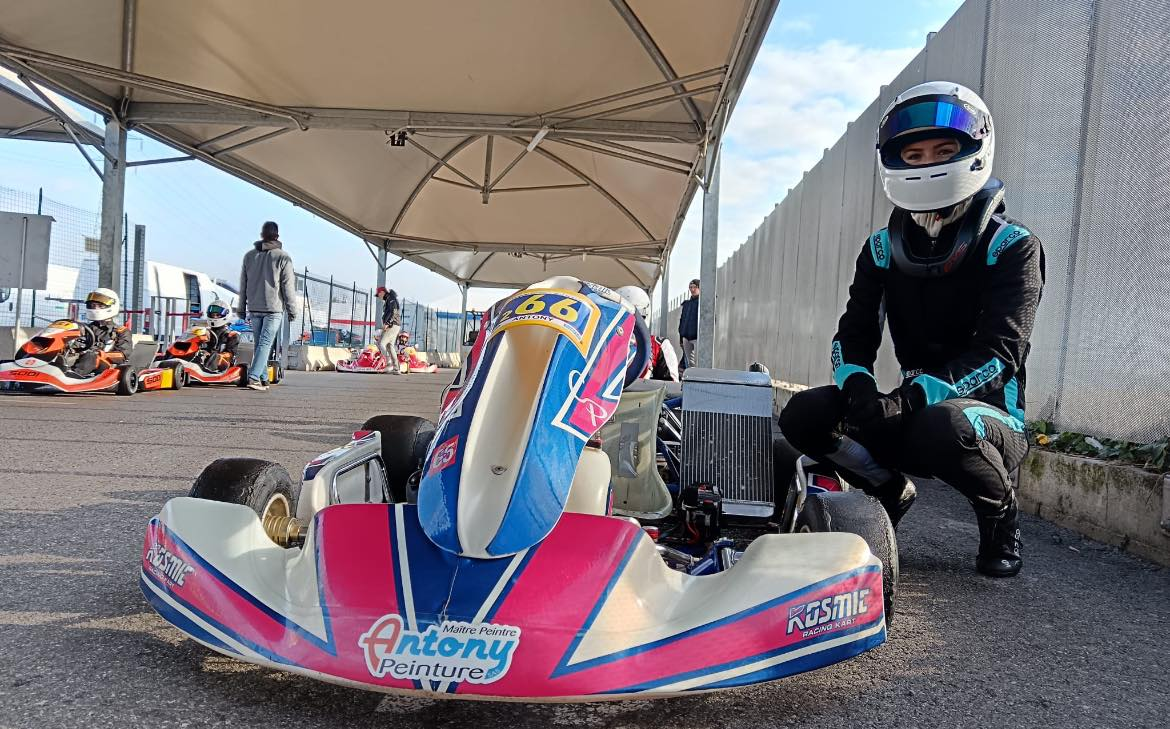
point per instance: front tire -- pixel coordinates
(262, 486)
(854, 512)
(127, 381)
(405, 439)
(178, 377)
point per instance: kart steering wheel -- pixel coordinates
(642, 350)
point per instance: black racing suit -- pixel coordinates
(221, 348)
(962, 342)
(111, 348)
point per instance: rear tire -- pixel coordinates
(854, 512)
(127, 381)
(405, 439)
(263, 486)
(243, 381)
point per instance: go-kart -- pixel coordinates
(480, 558)
(189, 362)
(369, 360)
(408, 359)
(45, 363)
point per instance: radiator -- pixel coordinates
(727, 438)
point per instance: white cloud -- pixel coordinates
(795, 104)
(801, 24)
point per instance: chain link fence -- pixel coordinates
(73, 261)
(1078, 89)
(339, 314)
(332, 312)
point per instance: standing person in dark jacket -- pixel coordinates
(960, 283)
(688, 325)
(391, 326)
(268, 292)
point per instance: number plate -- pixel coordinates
(570, 313)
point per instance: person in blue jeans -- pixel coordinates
(268, 294)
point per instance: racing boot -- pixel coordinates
(999, 542)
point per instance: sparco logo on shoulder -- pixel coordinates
(1007, 242)
(167, 564)
(831, 613)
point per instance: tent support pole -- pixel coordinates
(664, 300)
(705, 347)
(463, 322)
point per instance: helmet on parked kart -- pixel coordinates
(637, 298)
(929, 111)
(218, 313)
(102, 305)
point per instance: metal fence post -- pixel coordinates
(329, 311)
(139, 268)
(352, 312)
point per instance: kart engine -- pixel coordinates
(727, 432)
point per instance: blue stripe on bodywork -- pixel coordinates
(879, 248)
(223, 628)
(563, 669)
(1005, 238)
(977, 413)
(170, 614)
(289, 624)
(804, 663)
(563, 666)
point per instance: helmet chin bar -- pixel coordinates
(974, 221)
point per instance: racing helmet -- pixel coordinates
(927, 111)
(218, 313)
(102, 305)
(637, 298)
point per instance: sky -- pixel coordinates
(821, 64)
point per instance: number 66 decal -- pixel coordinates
(569, 312)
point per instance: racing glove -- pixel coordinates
(860, 391)
(911, 397)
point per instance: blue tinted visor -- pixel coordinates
(217, 312)
(934, 112)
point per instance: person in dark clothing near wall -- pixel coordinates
(391, 326)
(688, 326)
(268, 293)
(959, 283)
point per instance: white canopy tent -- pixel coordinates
(32, 113)
(495, 143)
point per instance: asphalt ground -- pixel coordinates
(1080, 639)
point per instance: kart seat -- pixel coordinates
(630, 441)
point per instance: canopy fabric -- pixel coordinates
(496, 143)
(25, 115)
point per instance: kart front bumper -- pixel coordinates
(590, 613)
